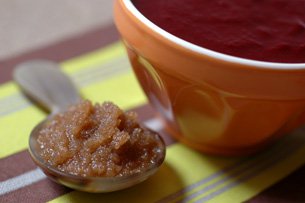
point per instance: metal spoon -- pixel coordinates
(44, 82)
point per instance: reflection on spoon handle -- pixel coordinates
(43, 81)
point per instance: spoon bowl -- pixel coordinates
(91, 184)
(42, 84)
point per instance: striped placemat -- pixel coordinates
(186, 175)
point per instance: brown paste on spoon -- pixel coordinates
(98, 140)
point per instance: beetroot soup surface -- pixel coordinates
(265, 30)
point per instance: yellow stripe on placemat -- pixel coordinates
(188, 176)
(102, 75)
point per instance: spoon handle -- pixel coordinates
(43, 81)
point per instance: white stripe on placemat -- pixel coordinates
(21, 181)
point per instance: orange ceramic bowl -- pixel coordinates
(213, 102)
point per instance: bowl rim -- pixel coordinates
(207, 52)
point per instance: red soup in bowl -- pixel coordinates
(265, 30)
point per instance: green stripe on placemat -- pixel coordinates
(186, 175)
